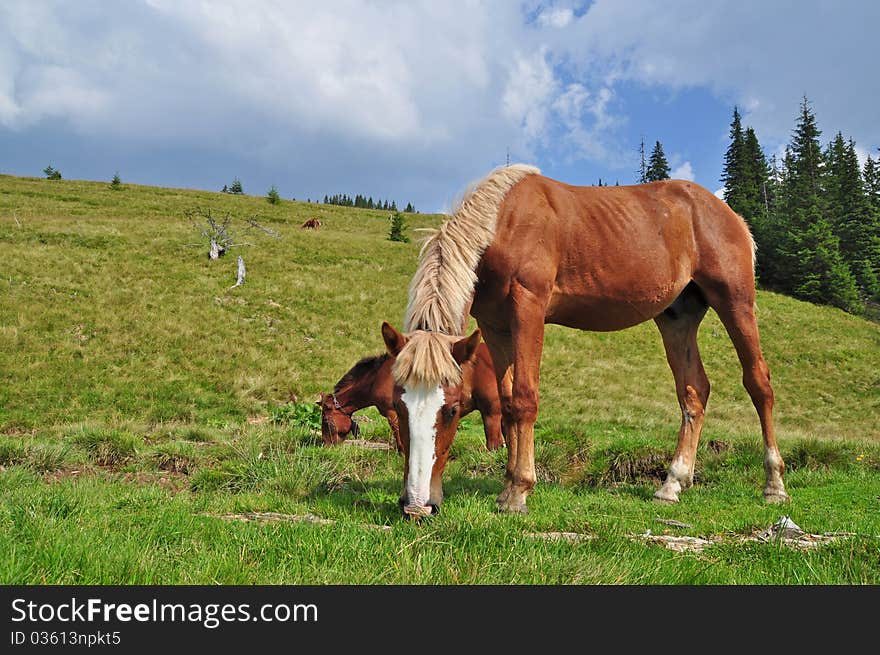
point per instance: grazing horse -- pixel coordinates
(522, 250)
(370, 383)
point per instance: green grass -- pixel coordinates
(141, 398)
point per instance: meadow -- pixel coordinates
(146, 406)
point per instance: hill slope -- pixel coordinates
(109, 312)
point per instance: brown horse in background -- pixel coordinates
(369, 383)
(522, 250)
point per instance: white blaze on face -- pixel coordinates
(422, 405)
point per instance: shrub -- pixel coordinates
(273, 197)
(398, 228)
(305, 415)
(51, 173)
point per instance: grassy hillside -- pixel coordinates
(135, 387)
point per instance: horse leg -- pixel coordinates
(678, 327)
(739, 320)
(519, 405)
(500, 345)
(484, 396)
(492, 428)
(394, 424)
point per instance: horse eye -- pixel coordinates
(451, 411)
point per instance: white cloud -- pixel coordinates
(764, 62)
(683, 172)
(557, 17)
(531, 87)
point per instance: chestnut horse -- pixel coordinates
(522, 250)
(369, 384)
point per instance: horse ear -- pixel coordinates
(464, 350)
(394, 340)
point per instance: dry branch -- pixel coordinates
(252, 222)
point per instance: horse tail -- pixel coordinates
(443, 285)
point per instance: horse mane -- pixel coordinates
(443, 283)
(426, 360)
(366, 366)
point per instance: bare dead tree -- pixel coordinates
(240, 279)
(215, 232)
(252, 222)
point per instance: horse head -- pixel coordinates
(428, 378)
(335, 423)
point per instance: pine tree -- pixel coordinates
(272, 196)
(398, 228)
(116, 182)
(852, 217)
(52, 173)
(871, 178)
(810, 262)
(755, 192)
(658, 167)
(745, 174)
(643, 165)
(732, 171)
(236, 186)
(825, 278)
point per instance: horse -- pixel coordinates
(369, 383)
(522, 250)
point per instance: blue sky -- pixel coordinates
(411, 101)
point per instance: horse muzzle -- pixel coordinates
(415, 511)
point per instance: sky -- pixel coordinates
(413, 100)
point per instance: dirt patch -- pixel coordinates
(784, 532)
(572, 537)
(17, 431)
(175, 482)
(788, 533)
(174, 463)
(678, 543)
(632, 467)
(718, 446)
(368, 445)
(58, 475)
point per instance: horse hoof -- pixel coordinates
(512, 501)
(664, 495)
(513, 508)
(773, 497)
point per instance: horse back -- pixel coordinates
(605, 258)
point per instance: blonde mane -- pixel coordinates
(444, 281)
(426, 361)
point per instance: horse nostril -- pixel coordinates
(435, 509)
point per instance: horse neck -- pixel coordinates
(357, 394)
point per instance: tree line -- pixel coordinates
(814, 214)
(363, 202)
